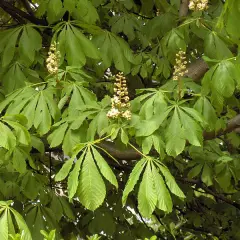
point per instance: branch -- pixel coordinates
(197, 69)
(19, 14)
(183, 11)
(209, 191)
(131, 154)
(126, 154)
(28, 7)
(232, 125)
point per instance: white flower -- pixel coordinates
(127, 114)
(191, 5)
(113, 113)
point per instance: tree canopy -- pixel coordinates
(119, 119)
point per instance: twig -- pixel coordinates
(209, 191)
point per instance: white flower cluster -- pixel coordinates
(53, 59)
(198, 5)
(180, 66)
(120, 100)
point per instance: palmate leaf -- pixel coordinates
(74, 44)
(72, 129)
(152, 190)
(155, 111)
(69, 131)
(6, 221)
(86, 12)
(126, 23)
(21, 225)
(30, 42)
(221, 80)
(215, 48)
(114, 49)
(153, 141)
(14, 78)
(12, 132)
(91, 189)
(78, 97)
(89, 164)
(184, 125)
(172, 42)
(53, 8)
(39, 107)
(205, 108)
(39, 217)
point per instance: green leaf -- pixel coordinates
(19, 160)
(86, 11)
(147, 196)
(192, 131)
(55, 10)
(42, 120)
(4, 225)
(104, 168)
(164, 201)
(62, 174)
(29, 43)
(14, 78)
(148, 127)
(222, 79)
(173, 42)
(147, 144)
(22, 225)
(87, 46)
(91, 189)
(159, 145)
(171, 183)
(195, 171)
(76, 46)
(175, 139)
(7, 139)
(70, 5)
(73, 177)
(204, 107)
(215, 48)
(37, 144)
(114, 49)
(56, 137)
(124, 137)
(9, 49)
(207, 175)
(133, 178)
(20, 132)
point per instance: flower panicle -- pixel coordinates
(198, 5)
(120, 100)
(53, 59)
(180, 67)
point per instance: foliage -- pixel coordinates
(169, 170)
